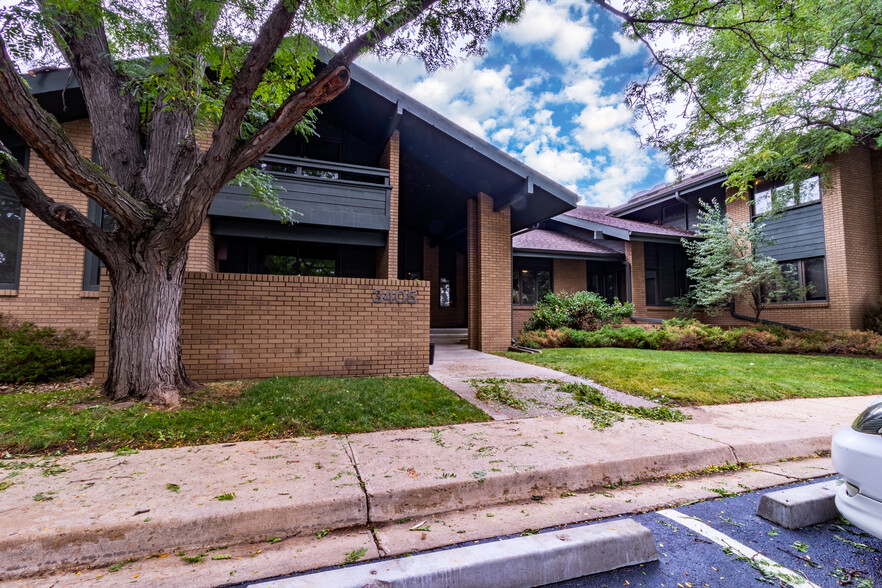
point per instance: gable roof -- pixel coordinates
(562, 244)
(595, 218)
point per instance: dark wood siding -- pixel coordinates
(798, 234)
(327, 201)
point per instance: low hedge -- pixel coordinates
(691, 335)
(41, 354)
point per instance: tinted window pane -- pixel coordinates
(10, 237)
(445, 292)
(651, 288)
(543, 283)
(790, 271)
(816, 277)
(528, 287)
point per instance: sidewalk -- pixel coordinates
(99, 509)
(455, 365)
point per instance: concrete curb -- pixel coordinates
(535, 560)
(796, 508)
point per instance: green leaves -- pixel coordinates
(770, 88)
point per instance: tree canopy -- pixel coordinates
(766, 87)
(183, 97)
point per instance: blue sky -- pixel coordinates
(549, 91)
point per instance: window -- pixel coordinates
(11, 229)
(531, 280)
(447, 276)
(785, 195)
(651, 287)
(93, 265)
(673, 211)
(297, 259)
(665, 265)
(811, 277)
(606, 283)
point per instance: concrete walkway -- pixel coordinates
(456, 365)
(101, 509)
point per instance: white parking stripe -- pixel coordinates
(758, 560)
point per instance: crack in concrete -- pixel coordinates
(782, 474)
(732, 449)
(350, 453)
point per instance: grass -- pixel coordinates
(695, 377)
(73, 421)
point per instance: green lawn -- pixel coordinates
(82, 420)
(694, 377)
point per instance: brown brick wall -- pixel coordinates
(247, 326)
(387, 260)
(50, 290)
(489, 275)
(569, 275)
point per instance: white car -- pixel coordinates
(857, 456)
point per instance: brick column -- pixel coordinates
(201, 255)
(387, 260)
(739, 211)
(634, 256)
(489, 271)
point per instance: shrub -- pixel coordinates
(691, 335)
(873, 318)
(581, 310)
(39, 354)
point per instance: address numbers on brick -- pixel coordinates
(394, 296)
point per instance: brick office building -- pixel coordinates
(830, 239)
(406, 223)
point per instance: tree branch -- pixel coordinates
(114, 115)
(61, 217)
(325, 87)
(45, 136)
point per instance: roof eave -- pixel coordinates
(627, 208)
(534, 252)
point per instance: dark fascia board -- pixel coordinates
(524, 252)
(667, 195)
(50, 80)
(421, 111)
(615, 232)
(656, 238)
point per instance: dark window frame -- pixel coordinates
(668, 217)
(527, 265)
(801, 278)
(14, 285)
(777, 184)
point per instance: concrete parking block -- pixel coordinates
(800, 507)
(535, 560)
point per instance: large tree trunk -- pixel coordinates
(145, 327)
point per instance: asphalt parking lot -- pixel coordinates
(827, 554)
(831, 554)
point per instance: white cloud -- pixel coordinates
(579, 135)
(553, 26)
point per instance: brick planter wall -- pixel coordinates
(250, 326)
